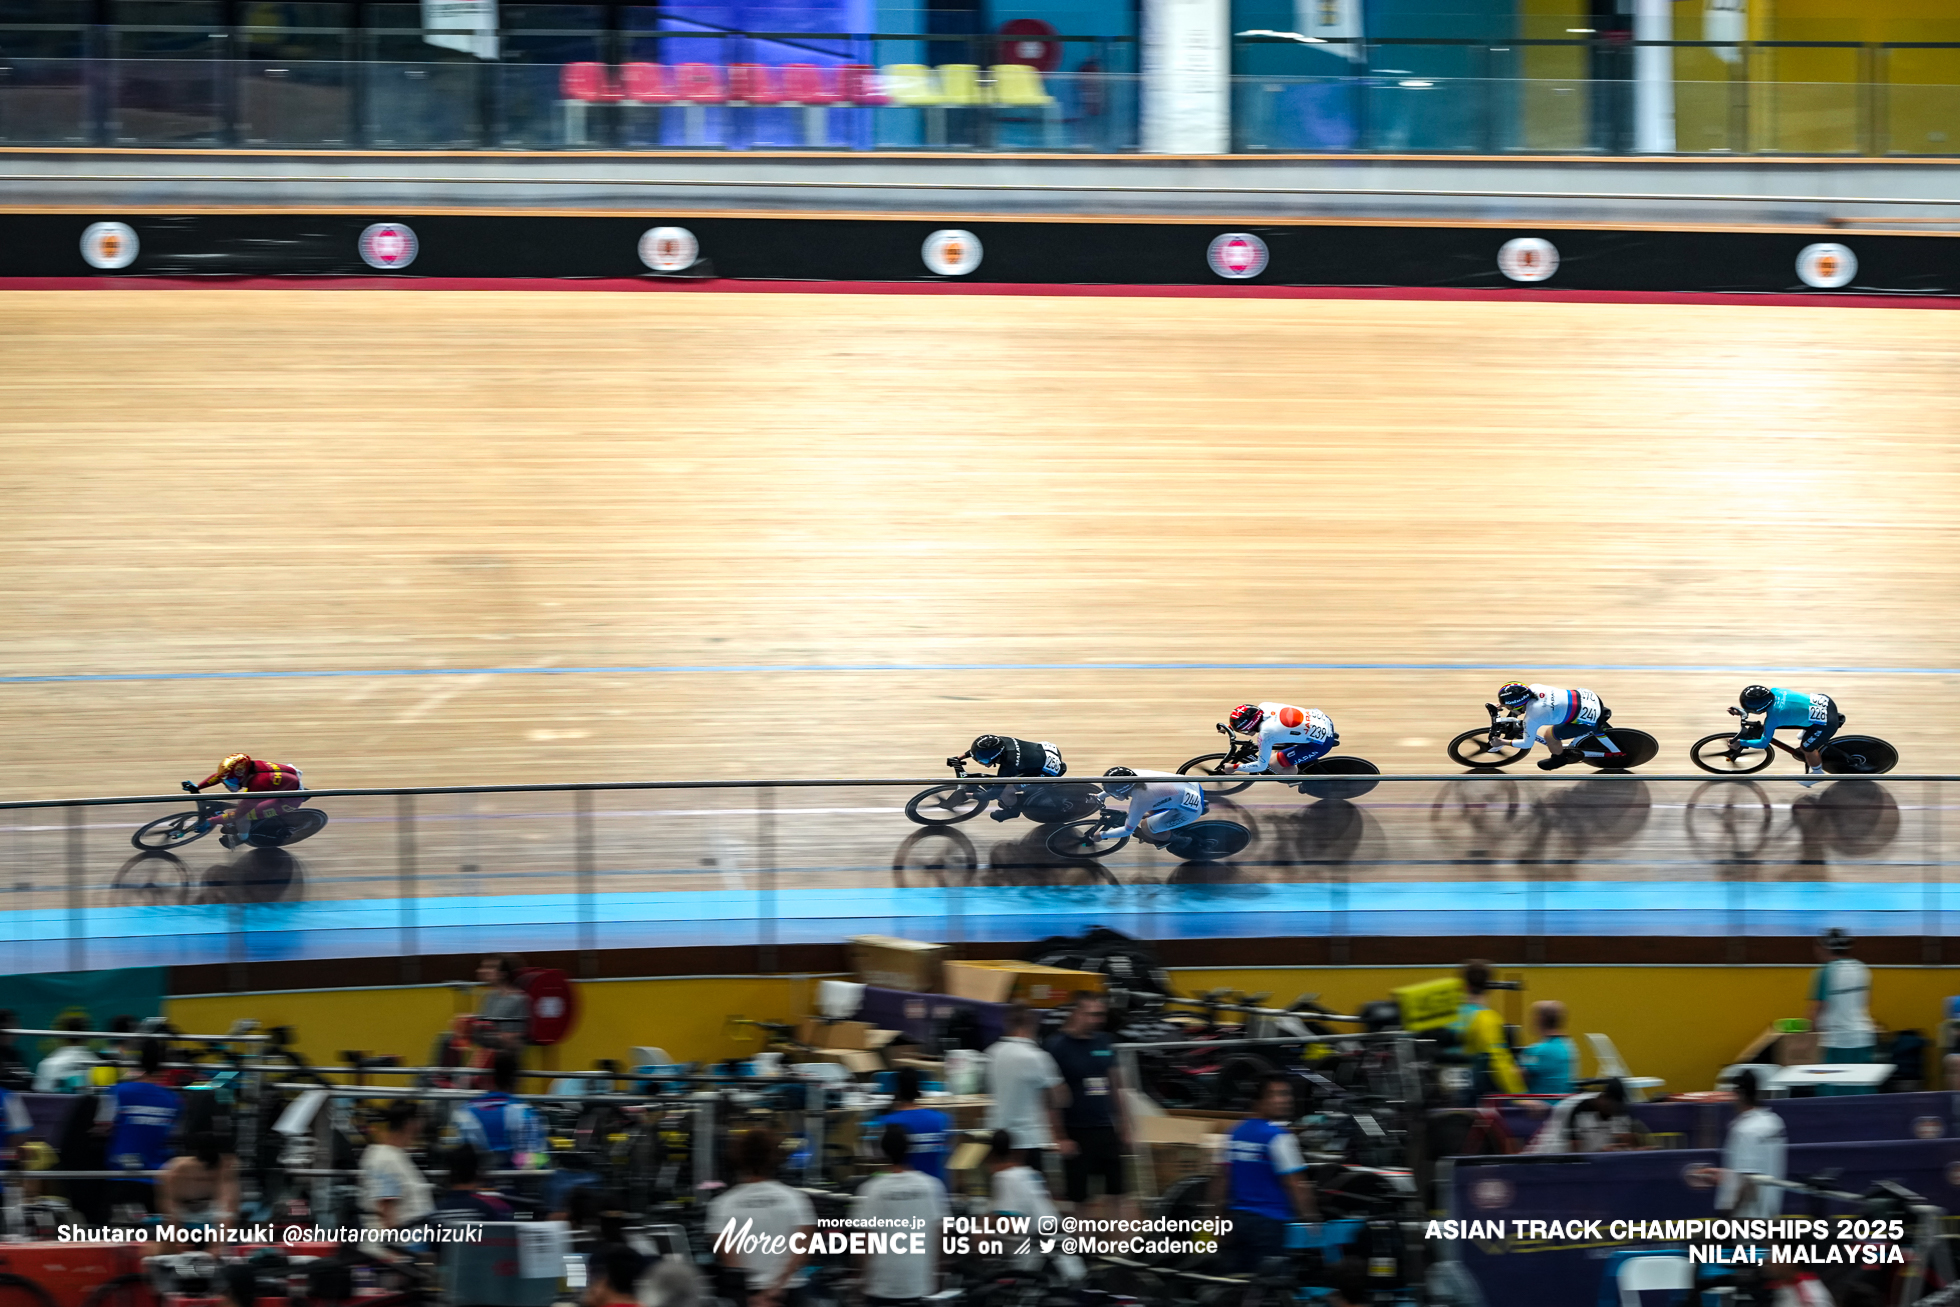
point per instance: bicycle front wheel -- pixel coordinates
(170, 832)
(1079, 841)
(1208, 765)
(1472, 749)
(946, 805)
(1717, 753)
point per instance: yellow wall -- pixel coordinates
(686, 1015)
(1680, 1023)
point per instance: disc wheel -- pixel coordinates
(1208, 765)
(1078, 841)
(1717, 753)
(1344, 790)
(1207, 841)
(1472, 749)
(946, 805)
(1636, 749)
(170, 832)
(289, 828)
(1859, 755)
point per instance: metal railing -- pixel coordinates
(406, 872)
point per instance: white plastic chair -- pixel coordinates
(1611, 1064)
(1641, 1274)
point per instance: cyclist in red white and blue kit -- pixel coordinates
(1289, 738)
(1560, 715)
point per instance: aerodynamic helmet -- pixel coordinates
(1245, 718)
(987, 749)
(1121, 789)
(1513, 693)
(1758, 698)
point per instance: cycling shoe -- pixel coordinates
(1555, 762)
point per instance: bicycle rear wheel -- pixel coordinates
(1472, 749)
(169, 832)
(1717, 753)
(946, 805)
(1078, 841)
(1207, 841)
(287, 828)
(1859, 755)
(1207, 765)
(1627, 748)
(1343, 790)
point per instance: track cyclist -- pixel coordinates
(1560, 715)
(1817, 713)
(1010, 757)
(1160, 802)
(1289, 738)
(243, 772)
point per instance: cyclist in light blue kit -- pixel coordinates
(1816, 713)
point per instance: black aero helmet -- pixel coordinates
(1758, 698)
(1513, 693)
(987, 749)
(1118, 788)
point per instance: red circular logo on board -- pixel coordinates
(1032, 42)
(1237, 255)
(389, 246)
(554, 1004)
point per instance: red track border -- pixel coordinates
(736, 286)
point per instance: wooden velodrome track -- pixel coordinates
(923, 505)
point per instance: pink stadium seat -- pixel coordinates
(700, 84)
(861, 85)
(809, 84)
(753, 84)
(585, 81)
(646, 83)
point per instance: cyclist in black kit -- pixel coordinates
(1010, 757)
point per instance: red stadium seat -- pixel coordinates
(700, 84)
(585, 81)
(645, 83)
(809, 84)
(753, 84)
(860, 85)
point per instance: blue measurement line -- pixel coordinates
(692, 669)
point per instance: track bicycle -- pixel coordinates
(1245, 749)
(947, 805)
(1610, 748)
(1743, 752)
(272, 831)
(1201, 841)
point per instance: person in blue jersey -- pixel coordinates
(1551, 1064)
(1261, 1186)
(507, 1134)
(1781, 709)
(929, 1130)
(141, 1115)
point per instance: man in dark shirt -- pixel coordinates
(1097, 1129)
(14, 1071)
(466, 1199)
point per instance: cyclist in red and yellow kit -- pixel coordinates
(243, 772)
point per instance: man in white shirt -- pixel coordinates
(1019, 1190)
(1840, 1012)
(394, 1193)
(1754, 1147)
(66, 1070)
(754, 1224)
(905, 1209)
(1023, 1084)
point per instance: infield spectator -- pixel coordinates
(13, 1067)
(1262, 1184)
(504, 1015)
(1093, 1123)
(394, 1193)
(507, 1133)
(200, 1187)
(467, 1197)
(66, 1070)
(1018, 1189)
(900, 1201)
(141, 1115)
(774, 1275)
(1590, 1123)
(612, 1277)
(1840, 997)
(1024, 1086)
(929, 1129)
(1753, 1147)
(1551, 1064)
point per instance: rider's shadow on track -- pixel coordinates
(1308, 843)
(1553, 833)
(1736, 825)
(254, 876)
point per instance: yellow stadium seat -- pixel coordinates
(1020, 85)
(912, 85)
(959, 84)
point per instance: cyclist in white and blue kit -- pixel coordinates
(1561, 715)
(1817, 713)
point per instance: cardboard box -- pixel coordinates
(859, 1035)
(893, 963)
(1017, 982)
(1782, 1047)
